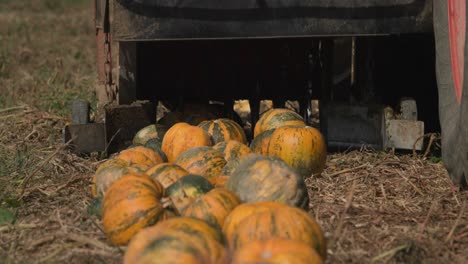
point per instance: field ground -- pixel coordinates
(374, 206)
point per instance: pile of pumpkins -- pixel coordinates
(199, 194)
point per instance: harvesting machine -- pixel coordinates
(354, 57)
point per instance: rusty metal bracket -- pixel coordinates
(103, 49)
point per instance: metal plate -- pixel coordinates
(86, 138)
(124, 121)
(403, 134)
(227, 19)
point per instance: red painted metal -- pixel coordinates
(101, 55)
(457, 32)
(103, 50)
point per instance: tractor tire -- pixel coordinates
(452, 82)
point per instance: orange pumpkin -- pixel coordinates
(275, 251)
(277, 117)
(213, 207)
(94, 192)
(232, 149)
(185, 190)
(155, 144)
(110, 171)
(260, 178)
(130, 204)
(167, 173)
(224, 129)
(232, 221)
(220, 181)
(303, 148)
(112, 162)
(177, 240)
(260, 143)
(283, 222)
(141, 155)
(181, 137)
(204, 161)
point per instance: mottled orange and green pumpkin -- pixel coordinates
(303, 148)
(213, 207)
(156, 145)
(260, 178)
(220, 181)
(204, 161)
(232, 221)
(276, 251)
(260, 143)
(112, 162)
(110, 171)
(149, 132)
(277, 117)
(167, 173)
(230, 166)
(181, 137)
(282, 222)
(177, 240)
(141, 155)
(130, 204)
(232, 149)
(224, 129)
(185, 190)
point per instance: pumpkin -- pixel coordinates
(276, 250)
(230, 166)
(277, 117)
(232, 149)
(203, 161)
(130, 204)
(167, 173)
(186, 189)
(220, 181)
(224, 129)
(181, 137)
(232, 221)
(149, 132)
(95, 207)
(213, 207)
(110, 163)
(303, 148)
(94, 192)
(282, 222)
(260, 143)
(177, 240)
(141, 155)
(110, 171)
(156, 145)
(260, 178)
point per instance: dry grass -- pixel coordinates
(372, 205)
(386, 207)
(48, 189)
(46, 53)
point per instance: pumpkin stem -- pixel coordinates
(167, 202)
